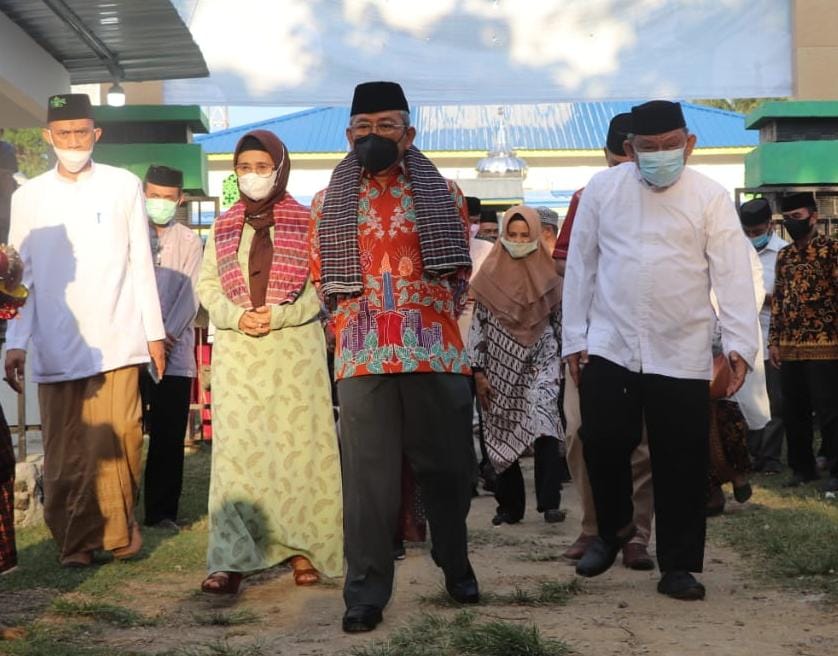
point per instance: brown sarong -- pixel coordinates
(92, 457)
(8, 552)
(729, 456)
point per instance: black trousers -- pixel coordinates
(810, 385)
(614, 403)
(766, 444)
(167, 412)
(510, 493)
(427, 418)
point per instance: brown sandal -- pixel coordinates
(133, 547)
(304, 572)
(78, 559)
(222, 583)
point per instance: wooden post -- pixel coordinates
(21, 425)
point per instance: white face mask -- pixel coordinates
(160, 210)
(518, 250)
(255, 186)
(73, 160)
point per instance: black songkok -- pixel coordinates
(755, 212)
(618, 131)
(372, 97)
(473, 205)
(488, 216)
(164, 176)
(68, 107)
(801, 199)
(657, 117)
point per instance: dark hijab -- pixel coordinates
(259, 213)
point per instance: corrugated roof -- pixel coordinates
(148, 39)
(557, 126)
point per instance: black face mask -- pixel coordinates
(376, 153)
(797, 228)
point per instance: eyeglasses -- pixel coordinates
(384, 129)
(263, 170)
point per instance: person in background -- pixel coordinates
(637, 330)
(766, 444)
(803, 338)
(514, 352)
(389, 249)
(488, 226)
(8, 184)
(176, 251)
(275, 489)
(12, 296)
(473, 204)
(92, 319)
(549, 227)
(636, 551)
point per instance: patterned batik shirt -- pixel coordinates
(804, 309)
(404, 321)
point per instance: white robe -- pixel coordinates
(93, 302)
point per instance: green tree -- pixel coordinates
(741, 105)
(31, 150)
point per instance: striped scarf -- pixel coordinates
(442, 238)
(289, 267)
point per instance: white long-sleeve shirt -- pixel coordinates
(93, 302)
(768, 258)
(639, 272)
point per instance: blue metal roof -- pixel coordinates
(557, 126)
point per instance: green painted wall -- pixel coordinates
(792, 163)
(137, 157)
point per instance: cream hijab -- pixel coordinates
(521, 293)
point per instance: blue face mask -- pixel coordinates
(761, 241)
(661, 168)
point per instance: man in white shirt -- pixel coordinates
(93, 316)
(650, 239)
(177, 252)
(766, 445)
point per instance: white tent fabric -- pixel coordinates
(313, 52)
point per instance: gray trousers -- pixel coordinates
(766, 444)
(426, 417)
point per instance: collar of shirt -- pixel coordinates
(84, 175)
(398, 172)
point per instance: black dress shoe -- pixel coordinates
(797, 479)
(679, 584)
(601, 554)
(503, 518)
(742, 492)
(598, 558)
(360, 619)
(464, 590)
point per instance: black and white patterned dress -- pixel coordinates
(526, 385)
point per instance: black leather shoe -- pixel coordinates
(598, 558)
(503, 518)
(465, 590)
(601, 554)
(679, 584)
(360, 619)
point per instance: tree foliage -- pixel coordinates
(31, 150)
(741, 105)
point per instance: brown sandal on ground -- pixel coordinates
(78, 559)
(222, 583)
(133, 547)
(304, 572)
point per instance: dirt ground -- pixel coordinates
(617, 613)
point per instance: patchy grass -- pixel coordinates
(463, 635)
(498, 537)
(787, 536)
(163, 553)
(223, 618)
(547, 593)
(65, 640)
(222, 648)
(539, 556)
(100, 612)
